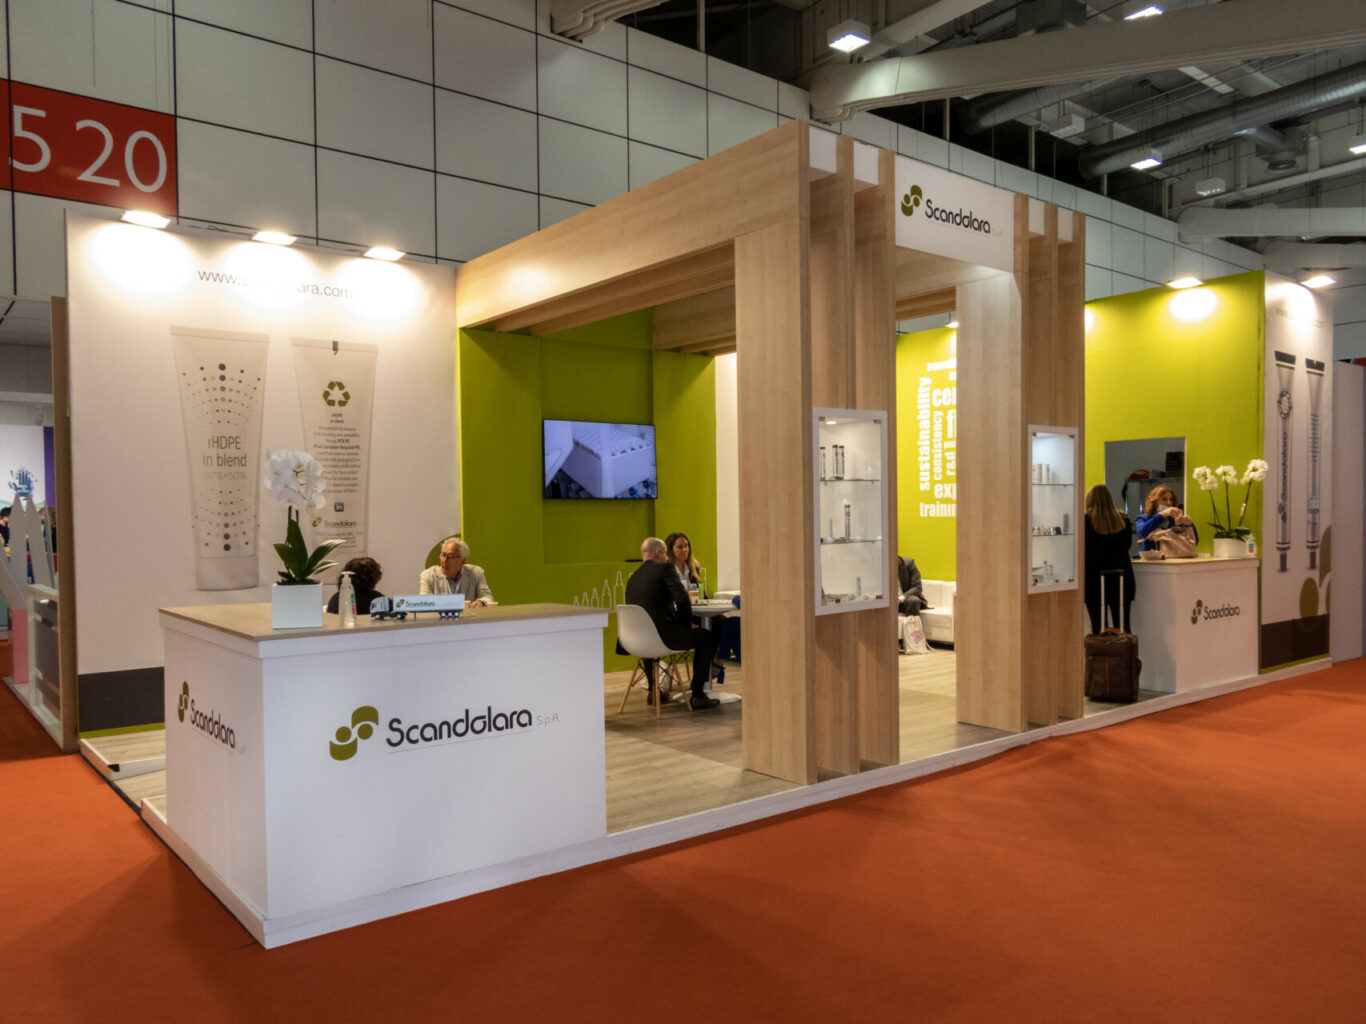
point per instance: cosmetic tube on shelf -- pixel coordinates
(221, 377)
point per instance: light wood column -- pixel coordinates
(773, 370)
(875, 388)
(836, 656)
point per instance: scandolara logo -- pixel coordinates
(210, 723)
(363, 722)
(1209, 612)
(467, 725)
(959, 218)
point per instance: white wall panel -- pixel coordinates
(1098, 234)
(483, 57)
(234, 80)
(1123, 284)
(973, 164)
(1159, 227)
(1095, 206)
(796, 104)
(374, 114)
(667, 113)
(98, 48)
(370, 202)
(1187, 263)
(40, 240)
(474, 218)
(664, 58)
(608, 41)
(1099, 283)
(1129, 217)
(925, 148)
(874, 130)
(1349, 498)
(1158, 260)
(487, 141)
(1016, 179)
(555, 210)
(742, 84)
(392, 36)
(730, 122)
(581, 87)
(232, 177)
(7, 285)
(579, 164)
(649, 163)
(521, 13)
(1127, 251)
(280, 21)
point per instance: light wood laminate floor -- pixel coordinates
(685, 762)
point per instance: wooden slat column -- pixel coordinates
(879, 693)
(773, 370)
(836, 653)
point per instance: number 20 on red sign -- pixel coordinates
(92, 151)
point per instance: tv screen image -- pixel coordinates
(599, 460)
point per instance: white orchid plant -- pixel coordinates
(1210, 479)
(296, 480)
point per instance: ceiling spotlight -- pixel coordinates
(1151, 11)
(952, 325)
(274, 238)
(1319, 281)
(383, 252)
(848, 35)
(1211, 187)
(1151, 160)
(146, 218)
(1185, 282)
(1356, 145)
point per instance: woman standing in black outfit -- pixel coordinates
(1108, 537)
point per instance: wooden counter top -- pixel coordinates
(252, 621)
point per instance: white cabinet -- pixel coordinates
(852, 567)
(1054, 509)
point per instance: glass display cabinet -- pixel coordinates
(1054, 509)
(852, 564)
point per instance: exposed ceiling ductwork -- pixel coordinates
(1315, 255)
(989, 111)
(1270, 221)
(579, 19)
(1233, 31)
(1239, 117)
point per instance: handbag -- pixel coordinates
(913, 635)
(1176, 541)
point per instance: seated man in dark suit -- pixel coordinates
(655, 586)
(912, 590)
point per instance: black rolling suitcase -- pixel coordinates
(1112, 664)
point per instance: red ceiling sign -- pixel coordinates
(92, 151)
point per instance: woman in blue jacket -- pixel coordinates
(1161, 512)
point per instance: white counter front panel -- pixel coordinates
(1196, 621)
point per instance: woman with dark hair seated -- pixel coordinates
(365, 574)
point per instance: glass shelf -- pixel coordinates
(1054, 558)
(852, 561)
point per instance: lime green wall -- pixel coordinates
(1149, 374)
(539, 550)
(930, 540)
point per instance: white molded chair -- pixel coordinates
(638, 636)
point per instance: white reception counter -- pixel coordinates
(1196, 621)
(317, 779)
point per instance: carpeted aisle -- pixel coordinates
(1202, 864)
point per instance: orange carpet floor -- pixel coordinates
(1201, 864)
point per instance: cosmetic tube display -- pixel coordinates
(1313, 369)
(221, 378)
(336, 400)
(1285, 375)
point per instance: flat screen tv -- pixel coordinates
(599, 460)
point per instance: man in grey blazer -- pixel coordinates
(455, 576)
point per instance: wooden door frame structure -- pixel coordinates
(796, 270)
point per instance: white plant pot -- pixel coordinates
(1229, 547)
(296, 607)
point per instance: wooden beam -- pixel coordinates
(945, 300)
(736, 192)
(698, 319)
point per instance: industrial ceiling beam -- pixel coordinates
(1232, 31)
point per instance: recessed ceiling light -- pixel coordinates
(146, 218)
(274, 238)
(1210, 187)
(1319, 281)
(952, 325)
(383, 252)
(848, 35)
(1356, 145)
(1185, 282)
(1151, 160)
(1151, 11)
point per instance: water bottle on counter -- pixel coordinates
(346, 602)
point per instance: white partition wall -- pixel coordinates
(1346, 628)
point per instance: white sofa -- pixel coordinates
(938, 617)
